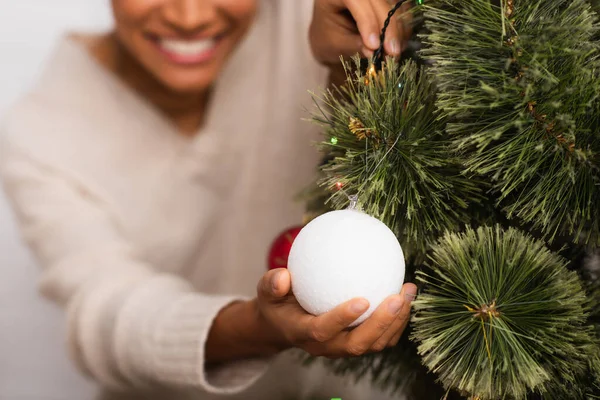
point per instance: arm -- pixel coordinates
(238, 332)
(128, 324)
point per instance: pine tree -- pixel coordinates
(482, 154)
(386, 123)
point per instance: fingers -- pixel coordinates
(279, 308)
(328, 325)
(410, 291)
(333, 32)
(362, 338)
(274, 285)
(383, 328)
(394, 36)
(346, 27)
(325, 335)
(395, 331)
(367, 22)
(393, 334)
(370, 17)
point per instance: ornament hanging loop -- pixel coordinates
(353, 202)
(352, 199)
(378, 55)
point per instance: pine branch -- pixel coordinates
(501, 128)
(519, 85)
(501, 316)
(387, 145)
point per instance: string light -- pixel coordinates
(339, 185)
(333, 140)
(378, 55)
(371, 73)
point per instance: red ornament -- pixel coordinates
(281, 247)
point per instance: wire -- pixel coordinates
(378, 55)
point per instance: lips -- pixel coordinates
(187, 51)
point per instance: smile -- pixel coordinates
(187, 52)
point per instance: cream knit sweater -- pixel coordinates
(143, 235)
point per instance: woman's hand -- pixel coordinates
(290, 326)
(346, 27)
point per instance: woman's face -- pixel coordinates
(183, 43)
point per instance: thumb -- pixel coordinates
(274, 285)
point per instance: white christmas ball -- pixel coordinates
(342, 255)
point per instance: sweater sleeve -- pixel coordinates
(128, 324)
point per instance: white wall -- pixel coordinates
(33, 361)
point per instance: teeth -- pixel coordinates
(187, 48)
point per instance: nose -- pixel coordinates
(189, 16)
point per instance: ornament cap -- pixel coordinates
(353, 202)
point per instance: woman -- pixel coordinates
(151, 167)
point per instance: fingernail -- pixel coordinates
(360, 306)
(395, 46)
(373, 41)
(411, 294)
(275, 281)
(395, 306)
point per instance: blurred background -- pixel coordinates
(33, 359)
